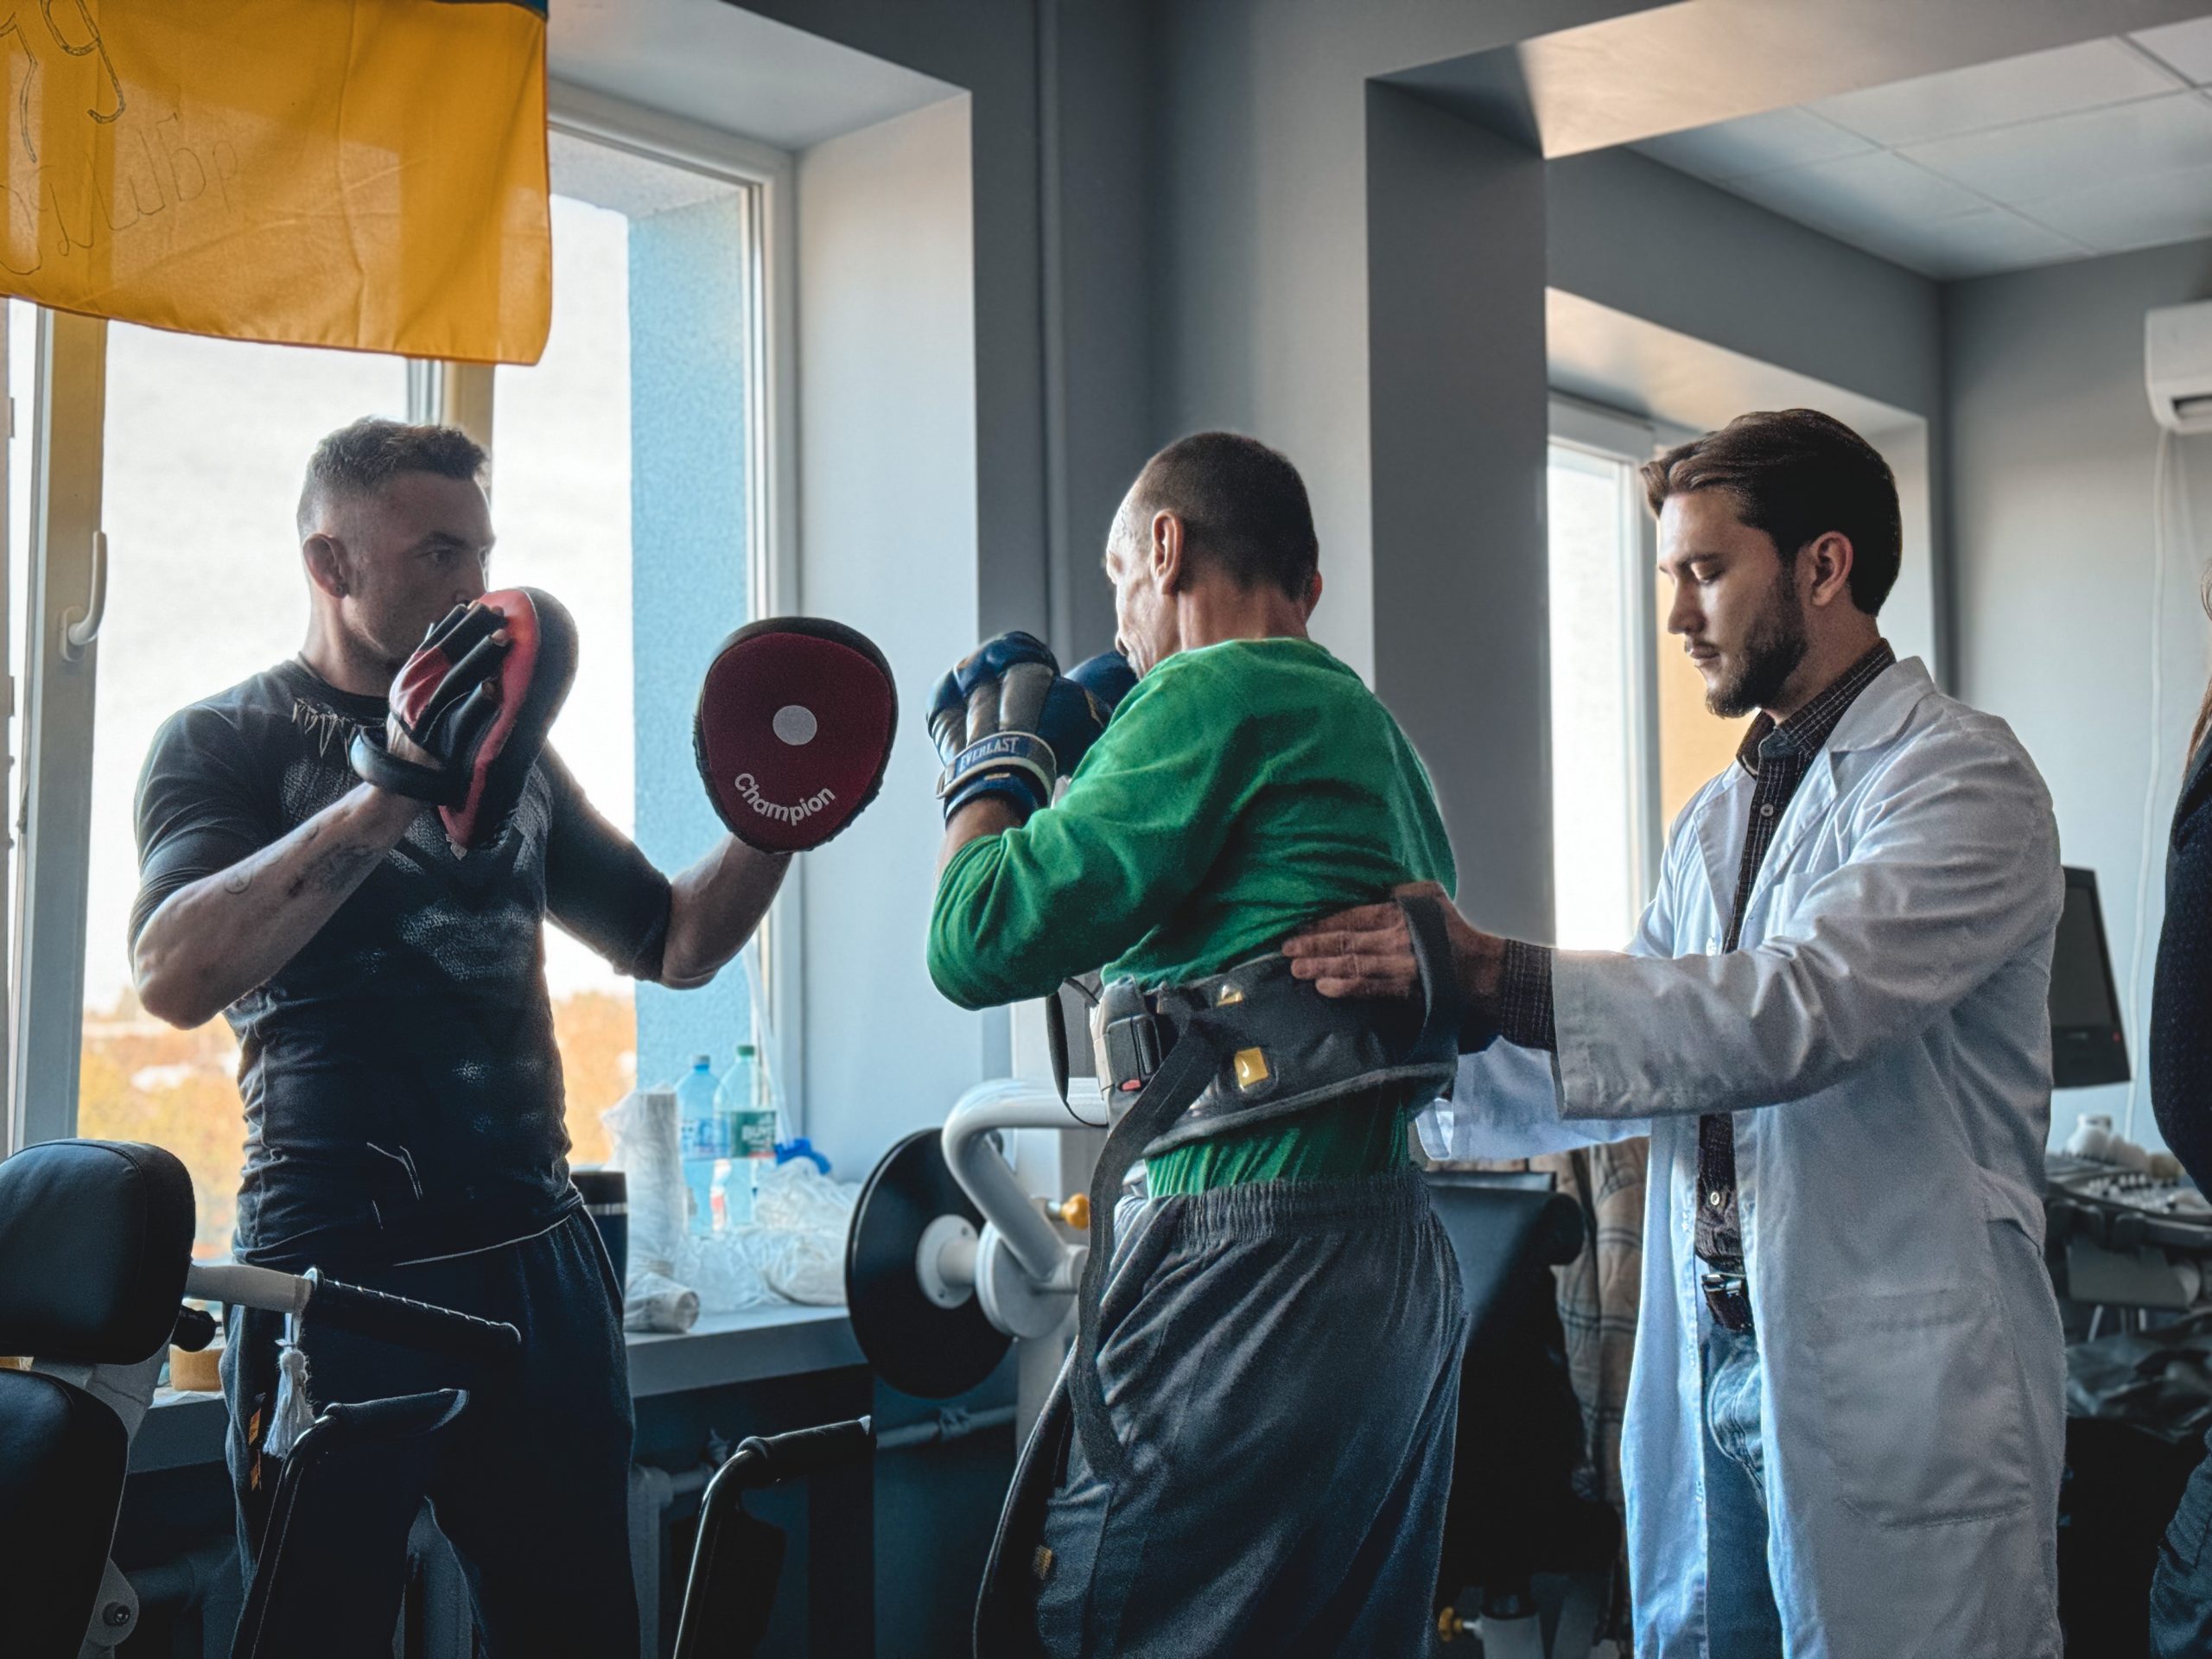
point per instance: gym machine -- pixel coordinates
(950, 1260)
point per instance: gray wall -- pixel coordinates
(887, 520)
(1625, 231)
(988, 46)
(1459, 413)
(2051, 447)
(1100, 231)
(1262, 307)
(1059, 114)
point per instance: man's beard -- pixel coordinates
(1771, 652)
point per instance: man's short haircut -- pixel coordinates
(1243, 505)
(358, 460)
(1797, 474)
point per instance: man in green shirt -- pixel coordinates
(1277, 1344)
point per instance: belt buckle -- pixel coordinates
(1729, 1297)
(1132, 1051)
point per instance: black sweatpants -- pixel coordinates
(1282, 1364)
(532, 1484)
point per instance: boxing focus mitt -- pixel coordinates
(478, 697)
(1008, 723)
(794, 729)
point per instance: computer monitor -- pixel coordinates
(2087, 1045)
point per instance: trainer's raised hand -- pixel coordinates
(1009, 725)
(794, 728)
(470, 711)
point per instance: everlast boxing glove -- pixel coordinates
(794, 728)
(1008, 723)
(478, 697)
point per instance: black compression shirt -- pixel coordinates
(2181, 997)
(403, 1092)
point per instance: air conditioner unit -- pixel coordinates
(2178, 365)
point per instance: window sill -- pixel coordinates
(779, 1339)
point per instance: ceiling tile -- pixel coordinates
(2074, 152)
(1858, 193)
(1753, 143)
(2115, 214)
(1971, 244)
(2187, 47)
(2028, 88)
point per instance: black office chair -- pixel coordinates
(1515, 1512)
(95, 1262)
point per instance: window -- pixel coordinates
(205, 444)
(1600, 816)
(1632, 738)
(641, 428)
(621, 483)
(20, 342)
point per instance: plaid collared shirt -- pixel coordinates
(1777, 758)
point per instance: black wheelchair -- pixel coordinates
(95, 1265)
(95, 1268)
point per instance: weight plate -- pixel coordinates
(916, 1346)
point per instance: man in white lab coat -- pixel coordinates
(1845, 1425)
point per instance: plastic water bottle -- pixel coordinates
(704, 1145)
(750, 1130)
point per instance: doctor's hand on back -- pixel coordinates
(1368, 952)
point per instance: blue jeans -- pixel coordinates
(1741, 1621)
(2181, 1588)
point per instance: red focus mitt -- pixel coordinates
(794, 730)
(478, 697)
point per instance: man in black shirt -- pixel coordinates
(403, 1093)
(2181, 1086)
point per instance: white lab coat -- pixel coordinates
(1881, 1036)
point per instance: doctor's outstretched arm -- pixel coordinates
(1506, 1100)
(1952, 874)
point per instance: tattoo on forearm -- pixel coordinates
(340, 868)
(241, 877)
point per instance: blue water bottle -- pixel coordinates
(701, 1135)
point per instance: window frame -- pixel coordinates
(68, 558)
(42, 976)
(772, 574)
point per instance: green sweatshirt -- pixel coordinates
(1241, 789)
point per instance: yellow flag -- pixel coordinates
(368, 174)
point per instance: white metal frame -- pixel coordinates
(9, 1136)
(67, 557)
